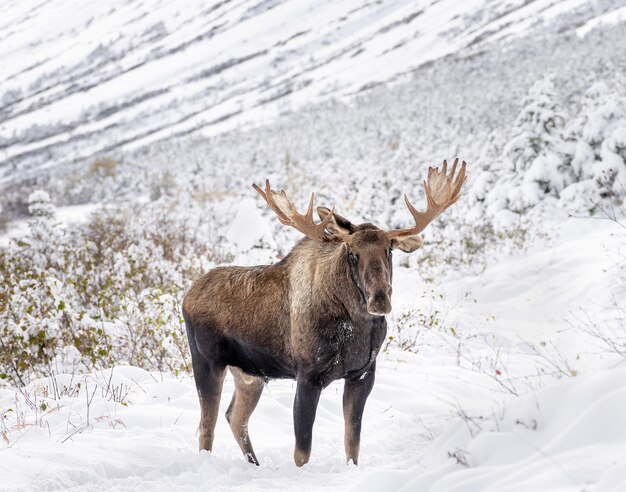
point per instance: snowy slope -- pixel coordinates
(505, 386)
(79, 78)
(134, 430)
(567, 437)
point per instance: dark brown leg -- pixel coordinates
(355, 393)
(304, 408)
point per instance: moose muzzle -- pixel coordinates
(379, 300)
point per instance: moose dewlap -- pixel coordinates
(316, 316)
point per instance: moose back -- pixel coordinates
(316, 316)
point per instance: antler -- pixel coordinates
(442, 190)
(288, 215)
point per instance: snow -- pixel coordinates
(609, 18)
(567, 437)
(532, 294)
(127, 74)
(249, 227)
(128, 429)
(504, 369)
(73, 214)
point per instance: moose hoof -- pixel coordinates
(301, 457)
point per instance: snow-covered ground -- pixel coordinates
(480, 403)
(504, 369)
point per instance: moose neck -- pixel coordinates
(325, 268)
(347, 291)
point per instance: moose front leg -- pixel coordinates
(304, 408)
(355, 393)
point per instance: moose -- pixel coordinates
(316, 316)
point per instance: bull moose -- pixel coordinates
(316, 316)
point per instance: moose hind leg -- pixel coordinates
(355, 393)
(209, 380)
(248, 390)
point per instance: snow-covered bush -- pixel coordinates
(578, 160)
(39, 205)
(103, 293)
(533, 163)
(598, 151)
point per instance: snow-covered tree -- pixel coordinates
(535, 155)
(598, 148)
(40, 205)
(578, 161)
(44, 230)
(537, 127)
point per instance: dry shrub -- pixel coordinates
(104, 166)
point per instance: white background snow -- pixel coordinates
(500, 375)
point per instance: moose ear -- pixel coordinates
(408, 244)
(337, 224)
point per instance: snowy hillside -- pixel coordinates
(81, 78)
(130, 133)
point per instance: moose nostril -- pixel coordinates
(380, 299)
(379, 303)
